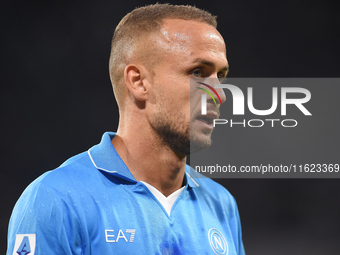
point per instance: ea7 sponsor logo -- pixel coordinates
(24, 244)
(123, 236)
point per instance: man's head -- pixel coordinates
(132, 37)
(155, 51)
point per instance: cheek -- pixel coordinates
(178, 99)
(173, 93)
(195, 102)
(152, 99)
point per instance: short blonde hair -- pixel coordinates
(140, 23)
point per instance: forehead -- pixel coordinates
(191, 39)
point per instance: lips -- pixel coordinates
(208, 118)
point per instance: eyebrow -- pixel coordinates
(209, 63)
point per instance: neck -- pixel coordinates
(149, 159)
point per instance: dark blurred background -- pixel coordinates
(56, 101)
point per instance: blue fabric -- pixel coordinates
(92, 204)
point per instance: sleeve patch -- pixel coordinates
(24, 244)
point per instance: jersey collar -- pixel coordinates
(104, 157)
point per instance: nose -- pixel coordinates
(221, 98)
(218, 96)
(221, 94)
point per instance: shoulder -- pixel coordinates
(213, 192)
(48, 207)
(56, 194)
(75, 171)
(214, 189)
(205, 183)
(60, 185)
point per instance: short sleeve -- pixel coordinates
(43, 222)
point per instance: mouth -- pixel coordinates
(208, 119)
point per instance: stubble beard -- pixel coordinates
(174, 131)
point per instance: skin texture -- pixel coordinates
(154, 130)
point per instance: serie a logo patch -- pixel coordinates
(24, 244)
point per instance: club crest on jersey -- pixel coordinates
(24, 244)
(217, 242)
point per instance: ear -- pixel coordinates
(135, 82)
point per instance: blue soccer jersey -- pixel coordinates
(92, 204)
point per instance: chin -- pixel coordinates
(200, 143)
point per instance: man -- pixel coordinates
(133, 193)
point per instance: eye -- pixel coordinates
(220, 75)
(197, 73)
